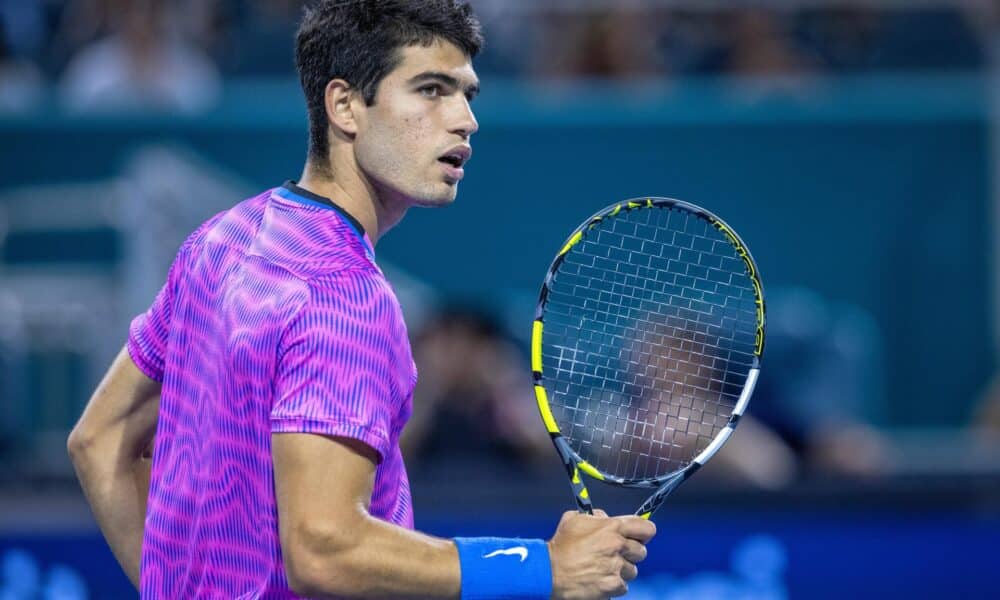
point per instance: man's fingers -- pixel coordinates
(634, 551)
(614, 586)
(629, 571)
(600, 513)
(636, 528)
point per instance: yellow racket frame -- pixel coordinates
(573, 463)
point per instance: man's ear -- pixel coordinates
(341, 104)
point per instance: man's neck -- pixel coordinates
(357, 196)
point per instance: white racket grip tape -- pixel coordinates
(714, 446)
(741, 404)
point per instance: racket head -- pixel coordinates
(647, 342)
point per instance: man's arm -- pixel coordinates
(332, 547)
(107, 448)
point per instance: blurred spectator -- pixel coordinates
(78, 23)
(612, 43)
(817, 393)
(840, 39)
(474, 402)
(20, 80)
(513, 36)
(143, 64)
(662, 353)
(473, 399)
(755, 455)
(820, 385)
(690, 43)
(759, 43)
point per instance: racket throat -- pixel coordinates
(650, 505)
(580, 492)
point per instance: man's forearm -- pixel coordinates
(381, 560)
(116, 491)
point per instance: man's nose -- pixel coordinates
(465, 123)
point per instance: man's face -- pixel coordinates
(414, 140)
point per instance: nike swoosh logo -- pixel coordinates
(515, 551)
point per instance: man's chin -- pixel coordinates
(438, 198)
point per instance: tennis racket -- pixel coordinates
(646, 345)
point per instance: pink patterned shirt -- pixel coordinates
(274, 318)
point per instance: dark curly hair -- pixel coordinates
(359, 41)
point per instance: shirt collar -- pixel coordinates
(291, 191)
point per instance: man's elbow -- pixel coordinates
(306, 580)
(319, 565)
(79, 444)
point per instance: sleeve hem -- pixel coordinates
(371, 437)
(142, 362)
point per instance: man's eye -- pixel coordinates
(431, 91)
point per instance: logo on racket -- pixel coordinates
(515, 551)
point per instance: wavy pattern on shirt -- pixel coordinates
(274, 318)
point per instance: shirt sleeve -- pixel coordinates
(149, 332)
(338, 373)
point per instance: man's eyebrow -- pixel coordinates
(471, 89)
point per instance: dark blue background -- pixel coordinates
(829, 555)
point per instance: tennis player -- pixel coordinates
(274, 367)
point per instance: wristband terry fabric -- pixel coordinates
(504, 569)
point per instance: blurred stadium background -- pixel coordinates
(854, 144)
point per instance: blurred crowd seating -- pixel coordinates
(173, 54)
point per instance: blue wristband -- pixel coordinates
(504, 569)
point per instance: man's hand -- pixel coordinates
(594, 557)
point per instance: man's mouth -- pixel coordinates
(454, 161)
(457, 156)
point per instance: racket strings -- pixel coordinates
(696, 345)
(649, 336)
(679, 418)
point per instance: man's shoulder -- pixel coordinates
(233, 225)
(358, 293)
(356, 281)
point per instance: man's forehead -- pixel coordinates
(440, 57)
